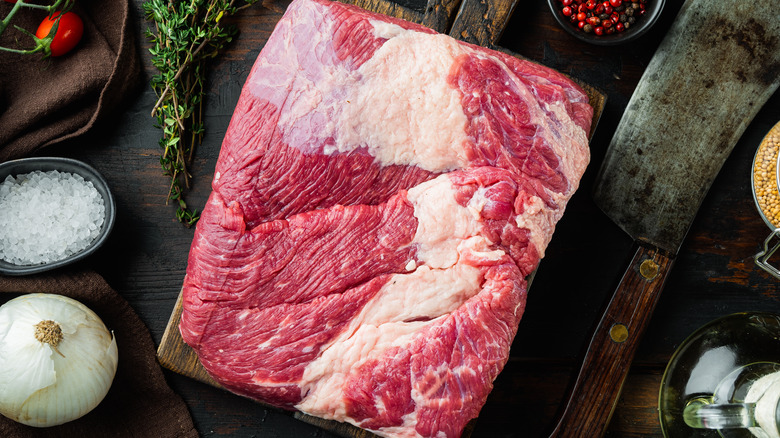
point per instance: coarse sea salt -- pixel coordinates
(47, 216)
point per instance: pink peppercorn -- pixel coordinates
(603, 16)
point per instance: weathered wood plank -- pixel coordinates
(482, 22)
(176, 355)
(388, 8)
(439, 14)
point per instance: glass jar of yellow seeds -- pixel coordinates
(766, 170)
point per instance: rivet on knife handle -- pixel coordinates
(611, 350)
(649, 269)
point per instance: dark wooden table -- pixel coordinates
(714, 275)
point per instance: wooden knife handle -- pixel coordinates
(598, 384)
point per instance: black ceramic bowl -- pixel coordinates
(642, 25)
(46, 164)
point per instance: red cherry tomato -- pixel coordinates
(10, 1)
(69, 32)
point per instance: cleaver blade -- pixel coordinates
(715, 68)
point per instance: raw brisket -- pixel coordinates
(381, 194)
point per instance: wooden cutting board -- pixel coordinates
(478, 22)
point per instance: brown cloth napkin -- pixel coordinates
(43, 102)
(140, 403)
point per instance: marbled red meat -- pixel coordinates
(381, 194)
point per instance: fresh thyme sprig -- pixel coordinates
(187, 33)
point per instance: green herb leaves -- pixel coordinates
(187, 33)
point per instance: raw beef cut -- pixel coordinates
(381, 194)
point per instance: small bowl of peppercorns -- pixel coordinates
(606, 22)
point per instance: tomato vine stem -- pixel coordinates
(41, 44)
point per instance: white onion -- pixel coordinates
(45, 384)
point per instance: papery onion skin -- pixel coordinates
(40, 387)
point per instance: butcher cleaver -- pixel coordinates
(713, 71)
